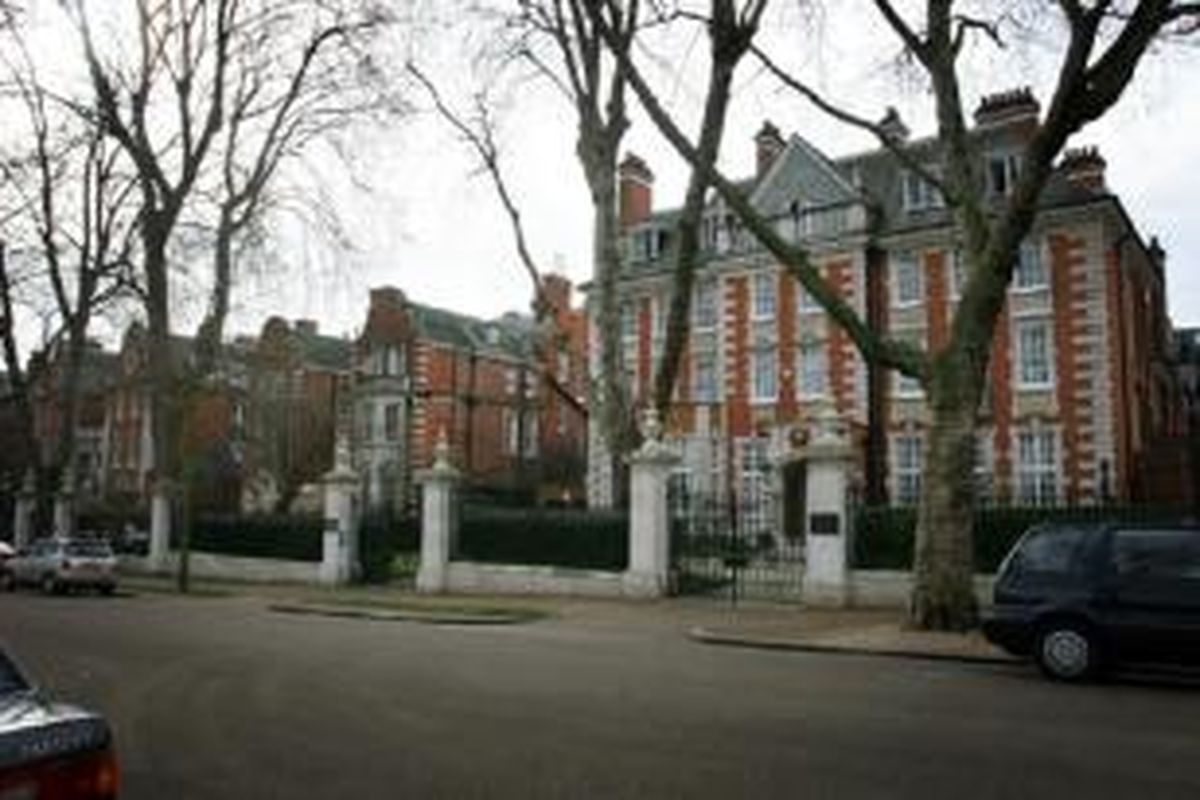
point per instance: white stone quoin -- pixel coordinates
(64, 506)
(339, 545)
(826, 538)
(649, 521)
(439, 522)
(160, 525)
(23, 512)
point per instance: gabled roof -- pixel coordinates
(801, 174)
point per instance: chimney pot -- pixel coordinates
(1002, 108)
(1084, 167)
(768, 144)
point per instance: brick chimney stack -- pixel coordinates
(387, 297)
(1084, 167)
(1016, 106)
(557, 289)
(635, 189)
(768, 144)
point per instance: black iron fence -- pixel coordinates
(884, 535)
(285, 537)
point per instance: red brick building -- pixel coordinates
(506, 394)
(46, 379)
(296, 381)
(212, 445)
(1082, 400)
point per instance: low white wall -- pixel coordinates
(891, 588)
(471, 577)
(234, 568)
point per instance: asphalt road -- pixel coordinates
(220, 698)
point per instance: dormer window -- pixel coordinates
(919, 193)
(1002, 172)
(647, 244)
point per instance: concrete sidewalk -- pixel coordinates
(869, 632)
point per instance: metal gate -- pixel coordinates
(734, 544)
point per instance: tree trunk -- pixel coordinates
(600, 168)
(943, 595)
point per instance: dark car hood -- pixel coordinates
(32, 729)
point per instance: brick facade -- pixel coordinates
(1080, 395)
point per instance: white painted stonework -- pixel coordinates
(439, 522)
(215, 566)
(649, 521)
(827, 554)
(339, 545)
(160, 526)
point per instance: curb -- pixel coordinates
(710, 637)
(399, 615)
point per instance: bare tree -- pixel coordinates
(66, 208)
(272, 75)
(480, 136)
(1105, 42)
(180, 61)
(561, 39)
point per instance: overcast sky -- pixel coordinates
(432, 226)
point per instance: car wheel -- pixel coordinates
(50, 584)
(107, 589)
(7, 582)
(1067, 650)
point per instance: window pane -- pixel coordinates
(706, 304)
(811, 368)
(1029, 272)
(907, 459)
(1037, 473)
(764, 295)
(764, 374)
(906, 279)
(1033, 344)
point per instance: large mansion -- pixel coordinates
(1082, 404)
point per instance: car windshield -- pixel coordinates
(88, 549)
(10, 680)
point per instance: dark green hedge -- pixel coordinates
(382, 537)
(291, 538)
(883, 537)
(558, 537)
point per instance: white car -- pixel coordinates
(60, 564)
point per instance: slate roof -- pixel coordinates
(328, 352)
(802, 174)
(511, 335)
(804, 177)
